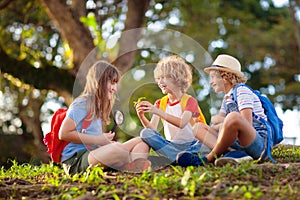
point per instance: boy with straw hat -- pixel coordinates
(234, 130)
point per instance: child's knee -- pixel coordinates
(146, 132)
(232, 117)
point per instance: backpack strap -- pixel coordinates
(163, 103)
(87, 122)
(183, 101)
(269, 129)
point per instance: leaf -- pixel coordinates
(138, 100)
(185, 177)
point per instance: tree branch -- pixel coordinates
(128, 42)
(4, 4)
(72, 30)
(47, 77)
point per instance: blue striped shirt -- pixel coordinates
(246, 99)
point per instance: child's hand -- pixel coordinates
(135, 103)
(110, 135)
(106, 138)
(143, 106)
(217, 119)
(200, 127)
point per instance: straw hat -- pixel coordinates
(226, 63)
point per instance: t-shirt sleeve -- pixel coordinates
(222, 109)
(77, 110)
(244, 98)
(157, 103)
(192, 105)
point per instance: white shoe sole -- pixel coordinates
(224, 160)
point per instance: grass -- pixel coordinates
(244, 181)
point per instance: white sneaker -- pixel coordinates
(233, 157)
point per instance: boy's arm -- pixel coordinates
(145, 106)
(140, 109)
(247, 114)
(180, 122)
(217, 121)
(154, 122)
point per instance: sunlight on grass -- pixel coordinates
(245, 181)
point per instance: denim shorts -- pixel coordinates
(170, 149)
(258, 148)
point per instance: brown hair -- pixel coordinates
(96, 89)
(232, 78)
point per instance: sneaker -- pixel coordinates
(185, 159)
(137, 166)
(233, 157)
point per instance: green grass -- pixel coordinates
(244, 181)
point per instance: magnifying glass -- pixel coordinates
(118, 118)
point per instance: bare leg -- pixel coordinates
(111, 155)
(205, 134)
(234, 127)
(137, 148)
(139, 152)
(130, 144)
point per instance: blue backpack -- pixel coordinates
(274, 123)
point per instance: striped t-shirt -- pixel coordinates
(246, 99)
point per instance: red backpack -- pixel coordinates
(54, 144)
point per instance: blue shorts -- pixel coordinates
(170, 149)
(258, 148)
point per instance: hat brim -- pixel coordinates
(219, 68)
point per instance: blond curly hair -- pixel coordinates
(177, 69)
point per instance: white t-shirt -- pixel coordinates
(173, 133)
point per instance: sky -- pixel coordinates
(291, 125)
(279, 3)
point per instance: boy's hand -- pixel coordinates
(217, 119)
(135, 103)
(140, 108)
(145, 106)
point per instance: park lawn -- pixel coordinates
(245, 181)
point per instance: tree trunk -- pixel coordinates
(67, 20)
(131, 34)
(33, 124)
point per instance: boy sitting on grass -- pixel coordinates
(237, 129)
(173, 76)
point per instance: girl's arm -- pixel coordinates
(67, 132)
